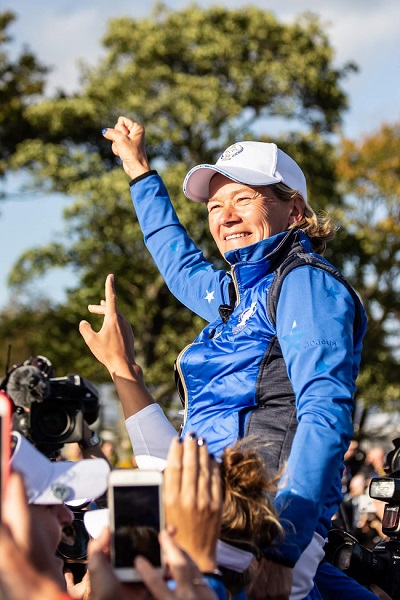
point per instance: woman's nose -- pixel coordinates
(228, 214)
(65, 514)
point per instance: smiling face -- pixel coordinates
(240, 215)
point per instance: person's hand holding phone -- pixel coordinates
(193, 500)
(106, 586)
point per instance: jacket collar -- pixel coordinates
(254, 262)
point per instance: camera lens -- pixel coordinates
(55, 422)
(74, 541)
(343, 558)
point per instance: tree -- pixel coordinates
(370, 174)
(21, 83)
(199, 80)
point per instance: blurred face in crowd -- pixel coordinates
(48, 520)
(240, 215)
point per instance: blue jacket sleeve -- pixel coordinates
(315, 316)
(188, 275)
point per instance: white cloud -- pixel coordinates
(364, 34)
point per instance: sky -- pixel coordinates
(62, 32)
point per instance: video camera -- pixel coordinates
(59, 418)
(382, 564)
(50, 411)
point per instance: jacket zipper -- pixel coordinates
(180, 355)
(182, 380)
(235, 283)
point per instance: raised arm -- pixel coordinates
(148, 428)
(114, 347)
(321, 352)
(190, 277)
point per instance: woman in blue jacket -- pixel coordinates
(281, 353)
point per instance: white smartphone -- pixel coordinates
(5, 443)
(136, 508)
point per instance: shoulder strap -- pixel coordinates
(300, 259)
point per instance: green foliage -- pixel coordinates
(199, 80)
(21, 83)
(370, 174)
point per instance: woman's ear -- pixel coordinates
(298, 208)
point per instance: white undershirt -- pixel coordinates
(151, 434)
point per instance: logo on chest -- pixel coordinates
(244, 318)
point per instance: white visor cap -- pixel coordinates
(250, 163)
(56, 482)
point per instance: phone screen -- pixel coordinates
(136, 524)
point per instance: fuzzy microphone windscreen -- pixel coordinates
(27, 384)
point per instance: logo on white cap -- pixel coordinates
(232, 151)
(60, 491)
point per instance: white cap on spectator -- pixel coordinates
(49, 482)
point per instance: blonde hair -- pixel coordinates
(249, 518)
(248, 514)
(318, 227)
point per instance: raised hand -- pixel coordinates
(193, 499)
(128, 142)
(114, 347)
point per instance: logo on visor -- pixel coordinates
(232, 151)
(60, 491)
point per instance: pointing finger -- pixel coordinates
(111, 298)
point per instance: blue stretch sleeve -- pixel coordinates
(315, 316)
(189, 276)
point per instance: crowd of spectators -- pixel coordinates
(218, 513)
(359, 514)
